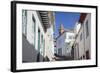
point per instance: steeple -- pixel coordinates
(61, 29)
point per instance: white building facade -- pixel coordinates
(76, 44)
(64, 42)
(34, 36)
(82, 43)
(49, 47)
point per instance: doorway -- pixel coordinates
(38, 55)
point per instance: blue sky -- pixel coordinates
(68, 19)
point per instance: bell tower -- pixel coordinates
(61, 29)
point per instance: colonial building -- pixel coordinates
(37, 35)
(82, 44)
(64, 41)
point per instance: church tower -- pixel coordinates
(61, 29)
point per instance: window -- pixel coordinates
(43, 47)
(71, 37)
(77, 47)
(42, 41)
(87, 29)
(83, 56)
(68, 43)
(38, 55)
(80, 36)
(24, 22)
(60, 51)
(87, 55)
(41, 38)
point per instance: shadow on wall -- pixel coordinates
(29, 53)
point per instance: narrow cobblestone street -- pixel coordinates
(62, 58)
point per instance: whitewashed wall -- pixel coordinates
(88, 39)
(62, 42)
(81, 42)
(49, 43)
(84, 44)
(30, 37)
(68, 47)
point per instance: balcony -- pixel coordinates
(47, 18)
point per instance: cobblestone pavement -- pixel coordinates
(62, 58)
